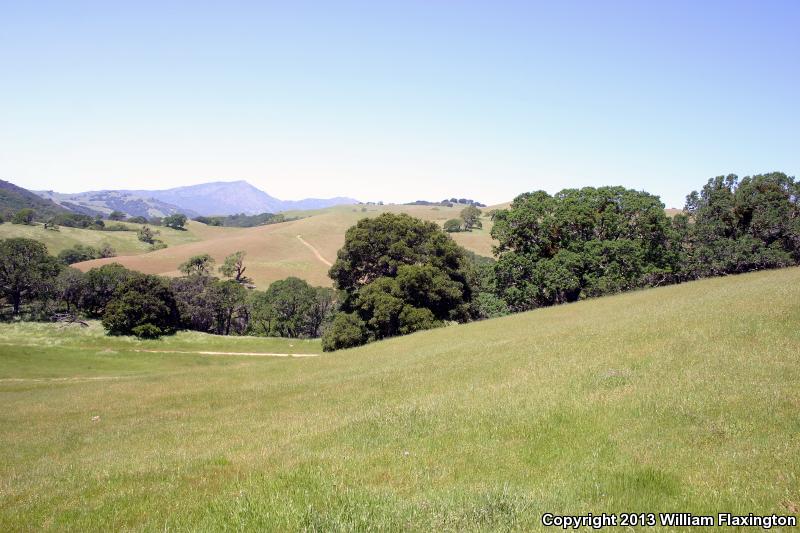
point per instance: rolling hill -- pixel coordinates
(659, 400)
(275, 252)
(124, 242)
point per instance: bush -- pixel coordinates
(176, 221)
(147, 331)
(77, 253)
(346, 331)
(454, 225)
(145, 234)
(24, 216)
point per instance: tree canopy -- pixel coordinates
(579, 243)
(399, 274)
(737, 225)
(26, 270)
(143, 306)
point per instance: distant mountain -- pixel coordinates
(234, 197)
(14, 198)
(215, 198)
(104, 202)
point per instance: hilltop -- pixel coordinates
(651, 401)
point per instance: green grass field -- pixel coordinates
(682, 398)
(124, 242)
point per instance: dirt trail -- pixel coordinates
(75, 378)
(316, 252)
(254, 354)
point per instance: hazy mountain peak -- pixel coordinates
(210, 198)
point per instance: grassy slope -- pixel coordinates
(124, 242)
(274, 252)
(682, 398)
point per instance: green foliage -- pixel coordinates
(197, 265)
(227, 303)
(193, 302)
(27, 271)
(79, 253)
(145, 234)
(346, 331)
(100, 284)
(233, 267)
(485, 302)
(581, 243)
(292, 308)
(471, 216)
(454, 225)
(376, 247)
(242, 220)
(742, 225)
(142, 300)
(147, 331)
(138, 220)
(176, 221)
(401, 274)
(117, 215)
(74, 220)
(70, 287)
(24, 216)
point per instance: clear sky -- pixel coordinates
(398, 101)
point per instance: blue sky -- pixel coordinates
(398, 101)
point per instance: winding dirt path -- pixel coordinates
(316, 252)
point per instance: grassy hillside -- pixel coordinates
(14, 198)
(124, 242)
(274, 251)
(682, 398)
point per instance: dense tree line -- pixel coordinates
(397, 274)
(243, 220)
(38, 286)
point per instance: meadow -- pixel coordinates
(681, 398)
(123, 242)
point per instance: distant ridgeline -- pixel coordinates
(448, 202)
(244, 221)
(14, 199)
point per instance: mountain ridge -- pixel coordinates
(208, 199)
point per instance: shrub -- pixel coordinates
(77, 253)
(346, 331)
(176, 221)
(454, 225)
(147, 331)
(24, 216)
(145, 234)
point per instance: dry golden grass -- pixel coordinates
(274, 252)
